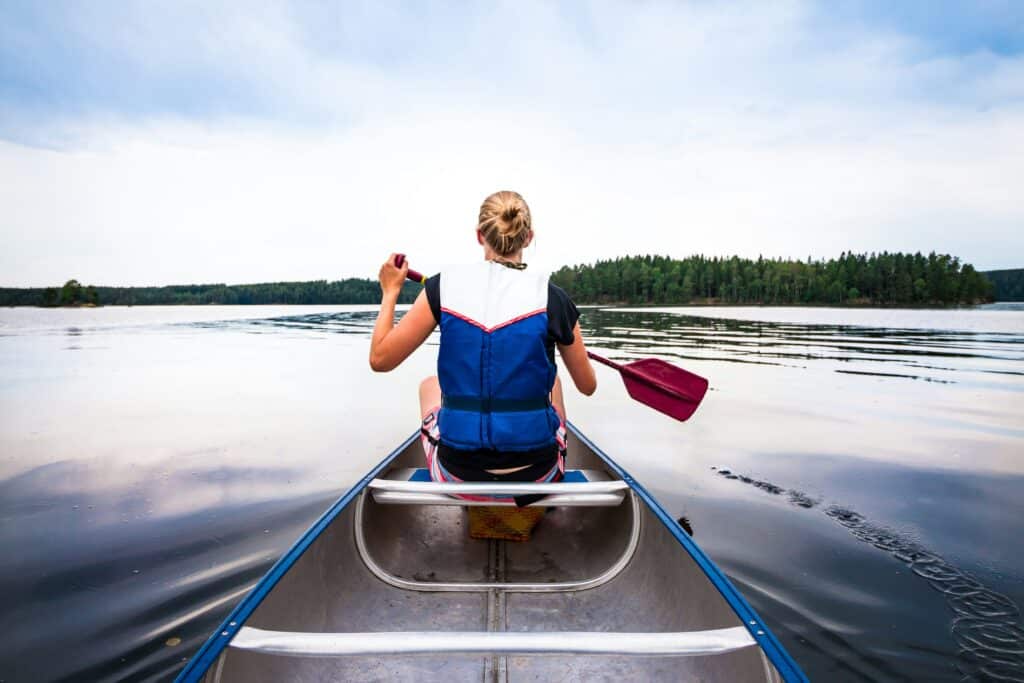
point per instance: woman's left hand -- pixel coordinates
(391, 276)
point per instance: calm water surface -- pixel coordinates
(858, 473)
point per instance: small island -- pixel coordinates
(72, 294)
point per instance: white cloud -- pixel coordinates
(629, 129)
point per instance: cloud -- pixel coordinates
(155, 143)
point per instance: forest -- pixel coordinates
(350, 291)
(1008, 284)
(852, 279)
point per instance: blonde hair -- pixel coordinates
(505, 222)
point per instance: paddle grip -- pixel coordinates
(411, 274)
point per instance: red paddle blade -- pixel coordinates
(664, 387)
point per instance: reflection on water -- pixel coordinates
(985, 623)
(930, 355)
(99, 577)
(149, 478)
(340, 322)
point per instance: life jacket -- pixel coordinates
(493, 365)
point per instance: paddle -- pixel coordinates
(655, 383)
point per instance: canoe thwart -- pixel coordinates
(494, 643)
(408, 486)
(555, 501)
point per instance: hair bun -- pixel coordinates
(505, 222)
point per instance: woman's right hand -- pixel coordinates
(391, 276)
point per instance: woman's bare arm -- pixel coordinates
(578, 364)
(391, 344)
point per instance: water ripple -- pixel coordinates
(986, 624)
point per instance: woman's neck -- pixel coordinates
(491, 255)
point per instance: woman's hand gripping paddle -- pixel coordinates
(651, 381)
(411, 274)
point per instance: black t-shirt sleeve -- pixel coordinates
(562, 315)
(432, 288)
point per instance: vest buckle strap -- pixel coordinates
(494, 405)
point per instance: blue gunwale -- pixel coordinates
(211, 649)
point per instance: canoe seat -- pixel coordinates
(678, 644)
(412, 486)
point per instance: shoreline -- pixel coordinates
(608, 304)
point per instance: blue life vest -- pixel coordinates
(493, 366)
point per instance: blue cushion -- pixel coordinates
(422, 474)
(571, 476)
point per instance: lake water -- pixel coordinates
(858, 473)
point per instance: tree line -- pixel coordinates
(851, 279)
(349, 291)
(854, 279)
(1008, 284)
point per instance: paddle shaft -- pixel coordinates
(641, 374)
(416, 276)
(411, 274)
(633, 374)
(605, 361)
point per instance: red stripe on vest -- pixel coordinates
(488, 330)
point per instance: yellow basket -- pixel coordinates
(503, 523)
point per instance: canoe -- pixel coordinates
(388, 585)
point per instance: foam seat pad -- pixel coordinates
(571, 476)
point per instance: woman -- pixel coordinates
(494, 412)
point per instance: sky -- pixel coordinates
(147, 143)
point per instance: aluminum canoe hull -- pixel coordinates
(381, 591)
